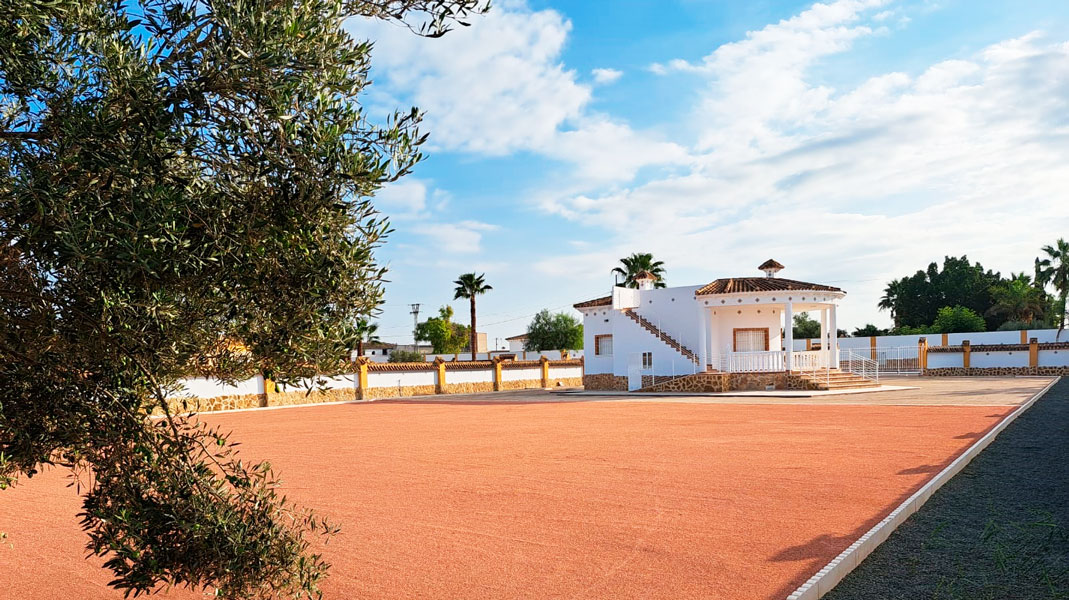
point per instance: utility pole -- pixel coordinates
(415, 326)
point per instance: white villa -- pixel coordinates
(730, 334)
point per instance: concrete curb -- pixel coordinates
(833, 572)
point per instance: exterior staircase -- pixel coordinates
(664, 337)
(834, 380)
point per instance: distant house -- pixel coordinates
(517, 343)
(737, 325)
(377, 351)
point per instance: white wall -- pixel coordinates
(728, 319)
(674, 311)
(953, 339)
(516, 374)
(470, 376)
(202, 387)
(630, 340)
(401, 378)
(598, 321)
(1053, 358)
(979, 360)
(569, 372)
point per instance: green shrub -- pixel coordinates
(404, 356)
(958, 319)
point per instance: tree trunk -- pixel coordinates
(473, 334)
(360, 347)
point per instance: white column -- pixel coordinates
(833, 338)
(788, 332)
(824, 333)
(703, 339)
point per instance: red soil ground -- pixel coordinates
(554, 500)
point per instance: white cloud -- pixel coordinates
(858, 184)
(500, 87)
(464, 237)
(403, 199)
(606, 75)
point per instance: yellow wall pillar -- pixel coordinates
(966, 354)
(361, 378)
(1033, 352)
(1024, 336)
(872, 347)
(439, 383)
(922, 354)
(946, 340)
(497, 373)
(808, 344)
(545, 371)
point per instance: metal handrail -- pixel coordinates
(859, 365)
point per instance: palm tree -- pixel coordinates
(470, 285)
(1017, 299)
(638, 262)
(368, 332)
(889, 301)
(1054, 269)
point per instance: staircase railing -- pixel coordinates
(859, 365)
(665, 338)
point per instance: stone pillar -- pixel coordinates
(361, 378)
(788, 334)
(439, 382)
(966, 354)
(545, 371)
(1033, 353)
(497, 373)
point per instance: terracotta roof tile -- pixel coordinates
(606, 301)
(735, 285)
(522, 336)
(770, 264)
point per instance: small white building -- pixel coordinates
(726, 331)
(517, 343)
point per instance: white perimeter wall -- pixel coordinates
(1016, 358)
(201, 387)
(469, 376)
(953, 339)
(564, 372)
(514, 374)
(401, 378)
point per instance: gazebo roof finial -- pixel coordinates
(771, 267)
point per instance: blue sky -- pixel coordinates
(852, 140)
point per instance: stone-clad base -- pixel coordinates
(522, 384)
(468, 388)
(293, 398)
(184, 405)
(996, 371)
(394, 392)
(565, 382)
(712, 383)
(605, 381)
(699, 383)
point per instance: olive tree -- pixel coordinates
(185, 188)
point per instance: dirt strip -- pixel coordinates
(555, 500)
